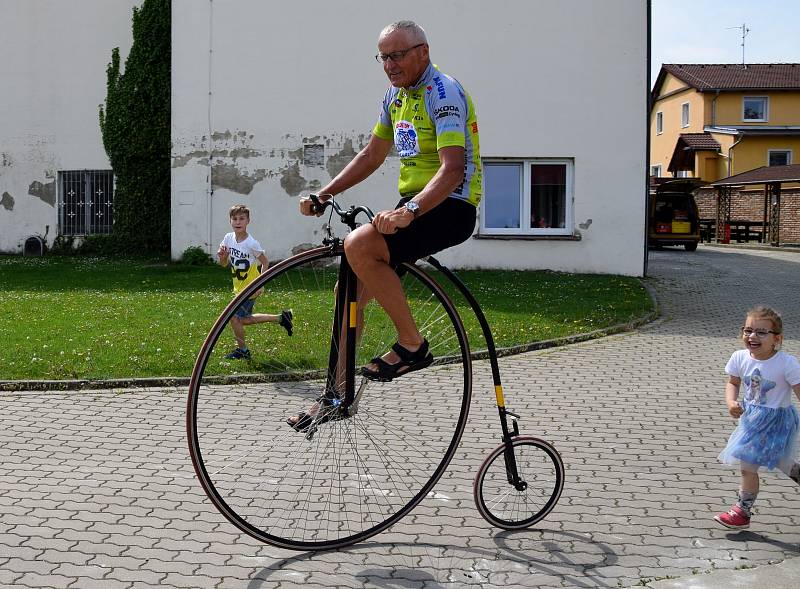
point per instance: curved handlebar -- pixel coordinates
(348, 216)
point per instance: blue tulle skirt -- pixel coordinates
(765, 436)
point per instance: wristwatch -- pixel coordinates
(413, 207)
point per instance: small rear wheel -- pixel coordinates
(511, 507)
(690, 247)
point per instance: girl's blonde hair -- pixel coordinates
(768, 313)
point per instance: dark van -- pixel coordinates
(672, 217)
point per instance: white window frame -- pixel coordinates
(525, 204)
(685, 119)
(788, 152)
(766, 109)
(656, 170)
(659, 123)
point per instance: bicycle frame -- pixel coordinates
(508, 434)
(345, 313)
(347, 307)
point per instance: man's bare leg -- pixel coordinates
(368, 255)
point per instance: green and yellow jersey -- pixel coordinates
(435, 113)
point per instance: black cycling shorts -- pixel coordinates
(450, 223)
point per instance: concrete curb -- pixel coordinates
(746, 246)
(785, 575)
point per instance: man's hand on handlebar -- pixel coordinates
(315, 205)
(308, 208)
(388, 222)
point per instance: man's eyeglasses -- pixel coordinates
(759, 333)
(395, 56)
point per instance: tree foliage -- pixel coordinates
(135, 124)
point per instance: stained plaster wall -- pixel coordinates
(254, 89)
(53, 69)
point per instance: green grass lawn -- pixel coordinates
(91, 318)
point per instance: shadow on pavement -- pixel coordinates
(552, 554)
(748, 536)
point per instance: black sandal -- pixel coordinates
(327, 410)
(409, 362)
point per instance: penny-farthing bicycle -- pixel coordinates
(375, 450)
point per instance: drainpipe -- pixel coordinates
(209, 183)
(730, 152)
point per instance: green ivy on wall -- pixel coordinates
(135, 124)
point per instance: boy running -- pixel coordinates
(246, 259)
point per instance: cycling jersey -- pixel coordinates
(242, 259)
(435, 113)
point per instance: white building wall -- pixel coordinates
(254, 81)
(53, 71)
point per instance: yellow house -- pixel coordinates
(711, 121)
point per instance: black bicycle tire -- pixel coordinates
(497, 454)
(195, 451)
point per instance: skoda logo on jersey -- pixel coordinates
(440, 87)
(446, 111)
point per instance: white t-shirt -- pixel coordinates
(766, 382)
(242, 260)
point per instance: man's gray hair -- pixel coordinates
(415, 32)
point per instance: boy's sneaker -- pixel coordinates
(286, 320)
(239, 354)
(735, 518)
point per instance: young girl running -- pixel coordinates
(767, 434)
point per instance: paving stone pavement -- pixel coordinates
(97, 490)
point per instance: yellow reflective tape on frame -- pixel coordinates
(353, 309)
(498, 391)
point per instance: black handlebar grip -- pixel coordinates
(316, 204)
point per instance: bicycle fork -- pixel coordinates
(512, 472)
(345, 325)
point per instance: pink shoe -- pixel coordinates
(735, 518)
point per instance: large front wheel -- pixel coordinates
(353, 477)
(541, 474)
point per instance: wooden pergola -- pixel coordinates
(772, 177)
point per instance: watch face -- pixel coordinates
(412, 206)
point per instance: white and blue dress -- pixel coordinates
(767, 434)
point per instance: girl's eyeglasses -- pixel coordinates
(759, 333)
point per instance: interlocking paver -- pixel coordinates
(100, 482)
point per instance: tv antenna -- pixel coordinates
(744, 30)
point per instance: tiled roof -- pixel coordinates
(790, 173)
(699, 141)
(730, 76)
(686, 145)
